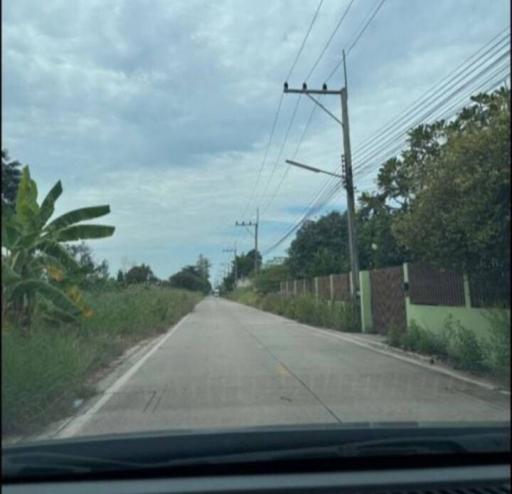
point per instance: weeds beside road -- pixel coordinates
(305, 309)
(45, 372)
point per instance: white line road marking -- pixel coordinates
(78, 423)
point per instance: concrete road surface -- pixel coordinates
(231, 365)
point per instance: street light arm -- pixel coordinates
(312, 168)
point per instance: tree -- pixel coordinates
(203, 265)
(190, 278)
(460, 218)
(11, 175)
(89, 272)
(378, 247)
(120, 277)
(139, 274)
(269, 278)
(320, 247)
(34, 261)
(245, 264)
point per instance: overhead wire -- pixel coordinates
(306, 36)
(305, 39)
(315, 64)
(326, 197)
(324, 49)
(357, 38)
(276, 116)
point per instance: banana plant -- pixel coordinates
(34, 260)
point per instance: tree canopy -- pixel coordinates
(139, 274)
(190, 278)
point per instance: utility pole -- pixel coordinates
(352, 237)
(255, 225)
(235, 267)
(347, 169)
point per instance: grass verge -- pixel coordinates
(45, 372)
(461, 347)
(304, 308)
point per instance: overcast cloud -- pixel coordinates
(162, 108)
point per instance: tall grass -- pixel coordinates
(302, 308)
(43, 373)
(461, 347)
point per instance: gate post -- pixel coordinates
(331, 288)
(316, 287)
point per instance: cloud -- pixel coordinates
(163, 109)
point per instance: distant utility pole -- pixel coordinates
(255, 225)
(347, 169)
(235, 267)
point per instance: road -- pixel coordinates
(230, 365)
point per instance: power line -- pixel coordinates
(497, 76)
(329, 196)
(317, 61)
(281, 149)
(447, 82)
(287, 169)
(391, 130)
(305, 39)
(370, 19)
(276, 116)
(458, 72)
(373, 152)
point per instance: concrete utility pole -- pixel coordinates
(347, 169)
(255, 225)
(235, 267)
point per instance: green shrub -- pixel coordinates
(498, 342)
(344, 318)
(467, 351)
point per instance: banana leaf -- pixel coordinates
(76, 216)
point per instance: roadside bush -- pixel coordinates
(302, 308)
(467, 351)
(344, 318)
(498, 343)
(460, 345)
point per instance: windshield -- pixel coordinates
(230, 215)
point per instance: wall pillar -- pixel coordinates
(467, 293)
(365, 302)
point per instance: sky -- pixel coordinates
(163, 108)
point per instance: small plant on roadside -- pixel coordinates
(395, 336)
(498, 342)
(468, 352)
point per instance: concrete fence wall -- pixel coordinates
(334, 288)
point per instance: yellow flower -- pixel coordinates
(88, 313)
(55, 273)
